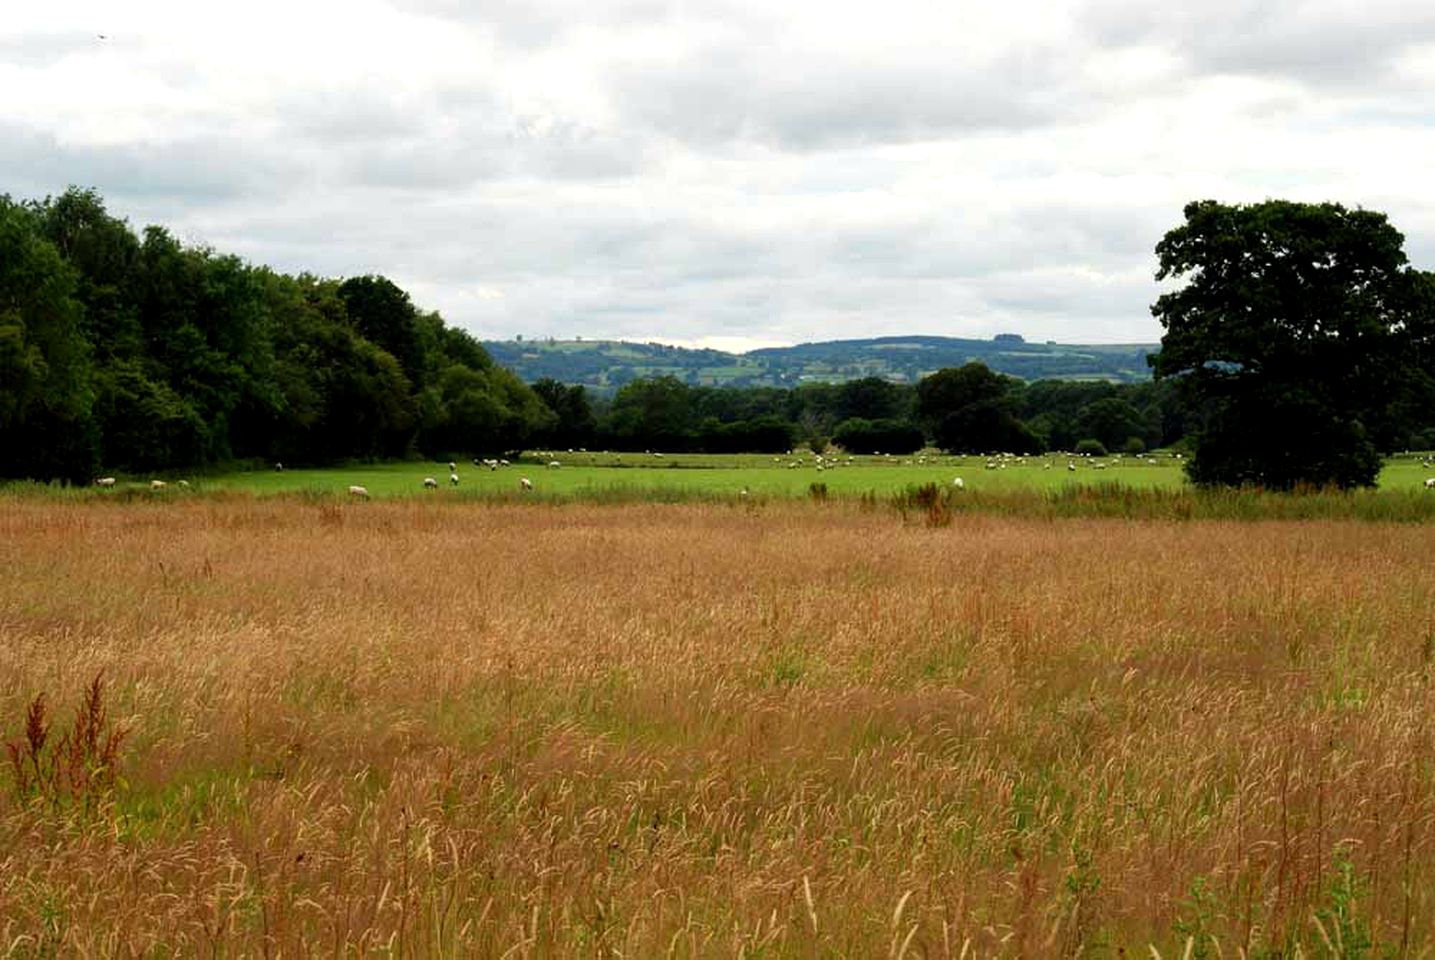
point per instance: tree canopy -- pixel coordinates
(140, 353)
(970, 409)
(1292, 340)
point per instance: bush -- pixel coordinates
(1091, 448)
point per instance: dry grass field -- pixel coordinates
(793, 729)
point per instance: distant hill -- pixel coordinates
(605, 365)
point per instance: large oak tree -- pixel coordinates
(1291, 339)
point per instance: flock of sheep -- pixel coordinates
(153, 484)
(998, 462)
(431, 483)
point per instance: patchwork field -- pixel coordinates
(770, 728)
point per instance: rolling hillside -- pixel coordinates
(607, 364)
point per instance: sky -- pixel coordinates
(733, 173)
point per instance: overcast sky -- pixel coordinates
(733, 174)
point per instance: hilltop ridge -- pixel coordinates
(608, 364)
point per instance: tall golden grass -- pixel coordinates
(763, 730)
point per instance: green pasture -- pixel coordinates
(583, 475)
(620, 475)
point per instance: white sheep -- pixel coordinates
(452, 466)
(959, 484)
(105, 482)
(431, 483)
(525, 484)
(157, 484)
(184, 484)
(1430, 483)
(453, 479)
(554, 464)
(358, 492)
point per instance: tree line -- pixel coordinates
(139, 353)
(968, 409)
(1299, 351)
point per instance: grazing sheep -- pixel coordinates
(184, 484)
(554, 464)
(1071, 466)
(1430, 483)
(105, 482)
(959, 484)
(431, 483)
(358, 492)
(278, 468)
(453, 479)
(525, 484)
(452, 466)
(157, 484)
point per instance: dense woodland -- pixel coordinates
(135, 353)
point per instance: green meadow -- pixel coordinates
(1057, 485)
(606, 475)
(600, 475)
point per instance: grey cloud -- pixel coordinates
(569, 151)
(802, 103)
(347, 117)
(197, 169)
(419, 166)
(1322, 45)
(1045, 292)
(454, 139)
